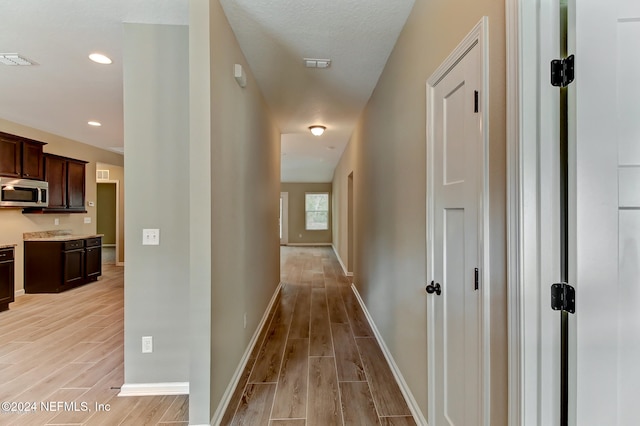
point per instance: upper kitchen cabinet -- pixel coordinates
(21, 157)
(66, 177)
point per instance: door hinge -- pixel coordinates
(563, 298)
(476, 278)
(562, 71)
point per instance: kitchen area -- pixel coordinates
(49, 242)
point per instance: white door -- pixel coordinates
(284, 218)
(606, 160)
(455, 161)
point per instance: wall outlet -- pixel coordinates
(56, 221)
(87, 220)
(150, 237)
(299, 235)
(245, 320)
(147, 344)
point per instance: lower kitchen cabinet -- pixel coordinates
(55, 266)
(7, 277)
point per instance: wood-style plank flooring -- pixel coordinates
(68, 348)
(317, 363)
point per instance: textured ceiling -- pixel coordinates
(275, 36)
(65, 90)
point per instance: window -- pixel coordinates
(316, 207)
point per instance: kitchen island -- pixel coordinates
(55, 261)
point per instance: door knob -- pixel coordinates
(434, 288)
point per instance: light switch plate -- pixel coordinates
(150, 237)
(147, 344)
(87, 220)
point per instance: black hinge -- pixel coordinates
(476, 279)
(563, 298)
(562, 71)
(476, 101)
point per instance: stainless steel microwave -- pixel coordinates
(23, 193)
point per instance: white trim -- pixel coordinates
(344, 269)
(479, 35)
(118, 219)
(309, 244)
(235, 380)
(404, 387)
(19, 293)
(152, 389)
(284, 220)
(514, 217)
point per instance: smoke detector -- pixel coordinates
(13, 59)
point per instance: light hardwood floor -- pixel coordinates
(68, 348)
(317, 362)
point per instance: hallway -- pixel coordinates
(318, 362)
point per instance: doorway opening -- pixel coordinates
(107, 220)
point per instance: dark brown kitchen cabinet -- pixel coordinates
(7, 276)
(93, 258)
(66, 177)
(55, 266)
(21, 157)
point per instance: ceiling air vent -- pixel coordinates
(317, 63)
(102, 174)
(13, 59)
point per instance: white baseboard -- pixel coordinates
(19, 293)
(228, 393)
(152, 389)
(344, 269)
(408, 396)
(309, 244)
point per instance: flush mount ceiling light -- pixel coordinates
(100, 58)
(13, 59)
(94, 123)
(317, 130)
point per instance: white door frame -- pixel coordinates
(479, 35)
(119, 262)
(285, 218)
(532, 211)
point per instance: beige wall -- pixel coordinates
(156, 133)
(388, 157)
(340, 231)
(234, 218)
(296, 214)
(13, 223)
(116, 173)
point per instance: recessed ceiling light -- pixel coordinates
(317, 130)
(100, 58)
(94, 123)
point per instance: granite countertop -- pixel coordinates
(4, 246)
(57, 235)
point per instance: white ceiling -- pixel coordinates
(65, 90)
